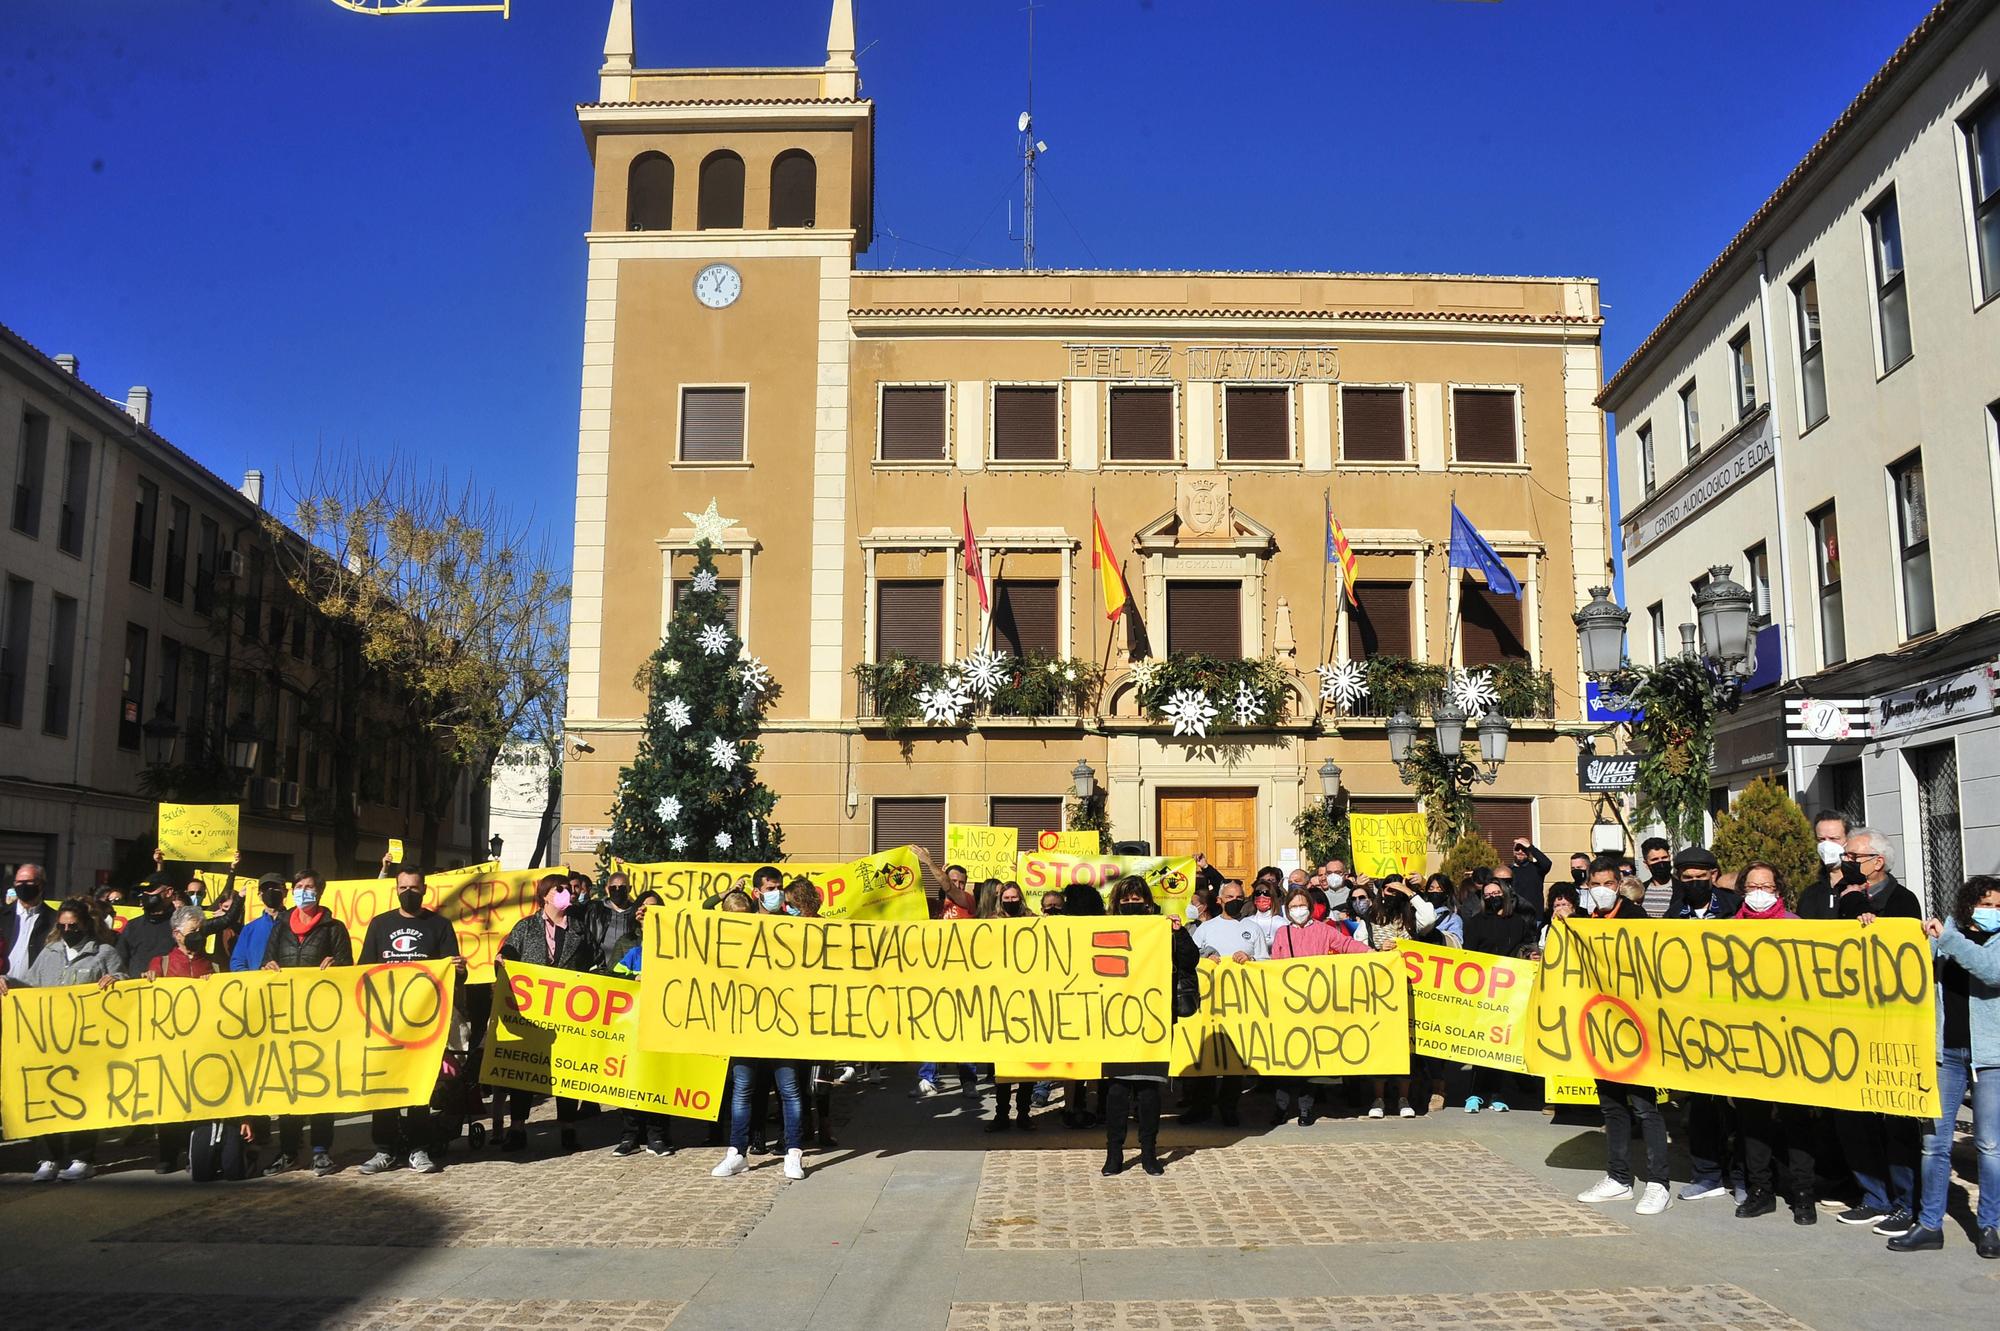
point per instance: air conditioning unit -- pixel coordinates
(231, 565)
(290, 794)
(264, 793)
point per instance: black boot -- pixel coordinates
(823, 1120)
(1756, 1204)
(1149, 1160)
(1114, 1160)
(1305, 1111)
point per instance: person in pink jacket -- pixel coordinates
(1303, 936)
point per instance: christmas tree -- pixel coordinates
(692, 792)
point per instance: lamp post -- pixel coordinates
(243, 746)
(493, 844)
(1084, 779)
(1329, 780)
(1726, 645)
(162, 737)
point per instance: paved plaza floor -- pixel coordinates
(921, 1221)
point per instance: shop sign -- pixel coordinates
(1604, 773)
(1933, 702)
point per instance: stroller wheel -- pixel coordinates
(475, 1133)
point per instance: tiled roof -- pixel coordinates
(1925, 30)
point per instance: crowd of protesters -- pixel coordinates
(1886, 1173)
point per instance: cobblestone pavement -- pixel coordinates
(1273, 1195)
(94, 1311)
(1695, 1307)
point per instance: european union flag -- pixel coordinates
(1471, 550)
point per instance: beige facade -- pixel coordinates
(827, 510)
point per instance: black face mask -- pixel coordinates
(27, 893)
(1661, 871)
(1441, 900)
(1491, 905)
(1850, 873)
(1140, 908)
(1233, 909)
(76, 935)
(158, 907)
(1578, 875)
(411, 899)
(621, 894)
(1697, 893)
(273, 897)
(1013, 908)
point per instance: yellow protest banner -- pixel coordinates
(1469, 1007)
(202, 833)
(1070, 843)
(1171, 878)
(1569, 1090)
(985, 852)
(1386, 843)
(482, 903)
(761, 986)
(573, 1034)
(341, 1040)
(1809, 1012)
(887, 885)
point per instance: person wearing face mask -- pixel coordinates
(1659, 875)
(1263, 913)
(184, 962)
(152, 934)
(550, 936)
(1230, 936)
(73, 952)
(27, 923)
(1820, 899)
(1579, 868)
(255, 936)
(1006, 903)
(1302, 936)
(1710, 1120)
(1626, 1107)
(610, 919)
(306, 937)
(1698, 892)
(1052, 903)
(1134, 1089)
(1531, 869)
(1766, 1128)
(1500, 929)
(655, 1130)
(411, 932)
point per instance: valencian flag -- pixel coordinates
(1471, 550)
(1338, 551)
(972, 566)
(1106, 565)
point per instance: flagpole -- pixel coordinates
(1454, 591)
(1094, 576)
(1326, 535)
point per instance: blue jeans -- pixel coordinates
(968, 1074)
(1954, 1071)
(1882, 1153)
(742, 1079)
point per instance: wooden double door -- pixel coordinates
(1221, 824)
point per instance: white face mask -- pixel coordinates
(1336, 880)
(1602, 898)
(1300, 914)
(1829, 853)
(1760, 899)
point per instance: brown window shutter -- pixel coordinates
(719, 202)
(1142, 425)
(1482, 425)
(1028, 815)
(649, 193)
(1257, 424)
(1205, 617)
(711, 425)
(794, 183)
(1489, 627)
(1025, 616)
(1024, 424)
(1500, 821)
(1380, 625)
(909, 620)
(1380, 804)
(1372, 428)
(732, 596)
(911, 822)
(913, 424)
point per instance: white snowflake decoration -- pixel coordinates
(714, 640)
(1069, 674)
(1248, 707)
(1474, 691)
(722, 753)
(1346, 683)
(703, 580)
(722, 841)
(1144, 673)
(754, 675)
(942, 704)
(676, 713)
(984, 672)
(679, 842)
(670, 668)
(1191, 712)
(670, 808)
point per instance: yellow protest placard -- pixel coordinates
(395, 850)
(569, 1033)
(887, 885)
(1386, 843)
(1569, 1091)
(202, 833)
(1170, 877)
(482, 904)
(1809, 1012)
(1070, 843)
(341, 1040)
(1468, 1007)
(760, 986)
(985, 852)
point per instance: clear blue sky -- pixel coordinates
(303, 226)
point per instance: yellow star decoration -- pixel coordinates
(709, 524)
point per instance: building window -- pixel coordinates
(1379, 621)
(195, 742)
(1647, 474)
(1913, 542)
(729, 589)
(1940, 833)
(1656, 620)
(132, 685)
(1744, 374)
(1826, 570)
(75, 496)
(168, 701)
(1372, 425)
(253, 599)
(1029, 816)
(62, 666)
(719, 205)
(174, 579)
(1501, 821)
(207, 554)
(712, 424)
(1690, 422)
(19, 614)
(909, 619)
(1256, 424)
(910, 822)
(1982, 150)
(1143, 425)
(1027, 617)
(29, 469)
(1842, 790)
(1206, 619)
(1812, 364)
(1489, 626)
(1483, 425)
(649, 193)
(1892, 302)
(794, 189)
(145, 521)
(1026, 424)
(912, 425)
(1757, 573)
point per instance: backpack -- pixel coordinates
(218, 1153)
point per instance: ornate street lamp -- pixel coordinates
(1401, 729)
(1723, 608)
(1450, 720)
(162, 736)
(1493, 739)
(243, 746)
(493, 844)
(1600, 633)
(1329, 780)
(1084, 780)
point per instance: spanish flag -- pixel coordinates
(1106, 564)
(1339, 552)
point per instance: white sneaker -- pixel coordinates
(1606, 1189)
(1403, 1109)
(46, 1172)
(794, 1165)
(421, 1163)
(842, 1075)
(925, 1086)
(77, 1172)
(1656, 1200)
(732, 1164)
(379, 1163)
(1375, 1110)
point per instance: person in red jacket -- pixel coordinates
(183, 961)
(1303, 936)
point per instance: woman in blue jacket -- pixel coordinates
(1968, 1006)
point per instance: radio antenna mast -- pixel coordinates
(1031, 149)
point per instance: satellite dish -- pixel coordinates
(1023, 123)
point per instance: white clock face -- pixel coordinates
(718, 285)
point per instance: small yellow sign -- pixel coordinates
(1070, 843)
(395, 850)
(202, 833)
(1386, 843)
(985, 852)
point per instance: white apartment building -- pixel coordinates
(1821, 412)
